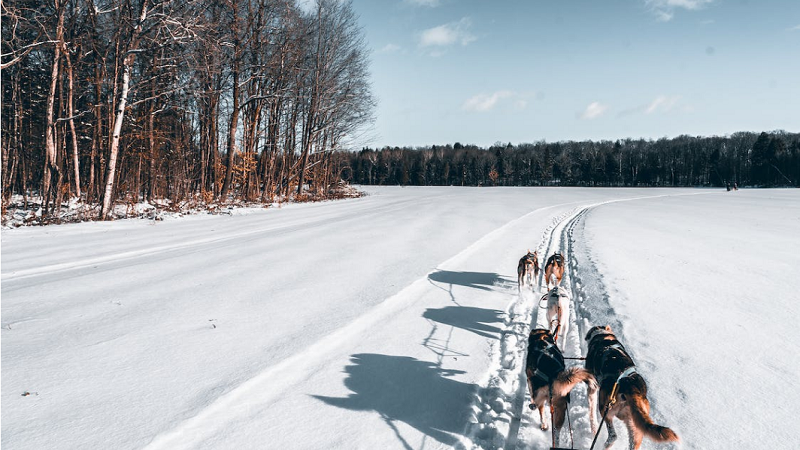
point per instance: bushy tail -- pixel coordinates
(641, 418)
(567, 380)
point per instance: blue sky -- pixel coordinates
(524, 70)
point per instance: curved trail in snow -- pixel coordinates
(269, 383)
(501, 418)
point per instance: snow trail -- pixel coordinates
(259, 389)
(501, 418)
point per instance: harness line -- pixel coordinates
(612, 399)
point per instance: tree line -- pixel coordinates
(749, 159)
(150, 99)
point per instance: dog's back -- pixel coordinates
(558, 313)
(544, 361)
(607, 360)
(557, 260)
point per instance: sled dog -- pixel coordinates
(549, 380)
(608, 361)
(528, 266)
(558, 314)
(554, 267)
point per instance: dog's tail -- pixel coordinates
(567, 380)
(640, 410)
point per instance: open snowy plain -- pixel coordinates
(394, 320)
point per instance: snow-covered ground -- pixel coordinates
(394, 320)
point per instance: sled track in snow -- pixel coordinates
(501, 418)
(245, 400)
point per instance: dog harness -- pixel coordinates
(544, 363)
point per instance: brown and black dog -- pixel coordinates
(554, 267)
(549, 379)
(608, 361)
(528, 265)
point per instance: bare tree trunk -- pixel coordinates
(108, 193)
(50, 142)
(151, 180)
(234, 122)
(71, 114)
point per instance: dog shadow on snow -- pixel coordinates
(476, 320)
(405, 389)
(478, 280)
(485, 281)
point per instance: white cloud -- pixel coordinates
(593, 111)
(662, 103)
(484, 102)
(665, 9)
(795, 28)
(428, 3)
(389, 48)
(447, 34)
(664, 16)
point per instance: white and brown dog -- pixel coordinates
(608, 361)
(550, 381)
(554, 269)
(528, 269)
(558, 314)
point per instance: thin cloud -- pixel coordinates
(795, 28)
(662, 103)
(428, 3)
(484, 102)
(593, 111)
(390, 48)
(664, 10)
(448, 34)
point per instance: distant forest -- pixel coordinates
(748, 159)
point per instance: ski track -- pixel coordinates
(257, 392)
(192, 245)
(500, 418)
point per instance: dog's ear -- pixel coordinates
(591, 332)
(608, 328)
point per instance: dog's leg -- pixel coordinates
(635, 435)
(591, 392)
(541, 418)
(612, 433)
(609, 419)
(558, 421)
(563, 323)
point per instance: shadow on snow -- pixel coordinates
(477, 280)
(405, 389)
(472, 319)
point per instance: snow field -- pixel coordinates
(519, 427)
(394, 321)
(704, 291)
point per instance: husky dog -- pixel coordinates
(610, 363)
(558, 314)
(549, 380)
(554, 268)
(528, 265)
